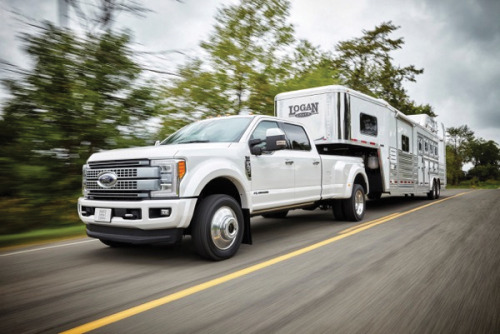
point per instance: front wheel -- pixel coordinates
(355, 206)
(217, 227)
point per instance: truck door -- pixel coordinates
(307, 164)
(272, 173)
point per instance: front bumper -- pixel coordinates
(135, 236)
(181, 212)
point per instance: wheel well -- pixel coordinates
(224, 186)
(221, 186)
(361, 181)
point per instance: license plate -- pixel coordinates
(102, 215)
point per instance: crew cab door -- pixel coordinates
(272, 173)
(306, 162)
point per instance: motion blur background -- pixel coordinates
(80, 76)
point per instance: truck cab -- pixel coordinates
(209, 178)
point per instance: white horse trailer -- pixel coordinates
(404, 155)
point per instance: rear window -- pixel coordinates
(297, 137)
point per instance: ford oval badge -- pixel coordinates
(107, 179)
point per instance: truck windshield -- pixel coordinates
(217, 130)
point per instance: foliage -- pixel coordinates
(245, 61)
(485, 156)
(82, 95)
(463, 147)
(365, 64)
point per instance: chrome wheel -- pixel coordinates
(224, 228)
(359, 202)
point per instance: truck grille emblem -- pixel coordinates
(107, 179)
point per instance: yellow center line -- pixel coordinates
(217, 281)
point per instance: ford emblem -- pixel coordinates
(107, 179)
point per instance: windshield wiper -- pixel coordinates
(193, 141)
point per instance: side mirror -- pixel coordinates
(275, 139)
(254, 149)
(157, 143)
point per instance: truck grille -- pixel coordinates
(121, 173)
(135, 180)
(120, 185)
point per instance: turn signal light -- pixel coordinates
(181, 169)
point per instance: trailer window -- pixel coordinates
(368, 125)
(297, 137)
(426, 147)
(405, 143)
(420, 145)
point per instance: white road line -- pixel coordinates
(49, 247)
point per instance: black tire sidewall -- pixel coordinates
(350, 205)
(201, 233)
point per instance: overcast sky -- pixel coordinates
(457, 42)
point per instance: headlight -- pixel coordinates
(84, 180)
(171, 173)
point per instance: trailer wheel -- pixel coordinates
(355, 206)
(338, 209)
(217, 227)
(374, 195)
(434, 193)
(280, 214)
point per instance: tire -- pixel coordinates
(438, 190)
(434, 193)
(217, 228)
(338, 209)
(114, 244)
(374, 195)
(355, 206)
(277, 215)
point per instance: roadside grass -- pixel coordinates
(41, 236)
(474, 184)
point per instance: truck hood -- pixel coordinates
(156, 152)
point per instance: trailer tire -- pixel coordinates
(434, 193)
(374, 195)
(338, 209)
(276, 215)
(355, 206)
(218, 227)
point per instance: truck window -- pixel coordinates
(405, 143)
(297, 137)
(260, 132)
(216, 130)
(368, 124)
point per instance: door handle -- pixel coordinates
(316, 163)
(289, 162)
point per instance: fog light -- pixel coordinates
(165, 212)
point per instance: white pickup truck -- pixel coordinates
(207, 180)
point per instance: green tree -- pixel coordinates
(457, 152)
(82, 95)
(244, 61)
(365, 64)
(485, 156)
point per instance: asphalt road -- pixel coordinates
(431, 270)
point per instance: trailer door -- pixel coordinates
(407, 162)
